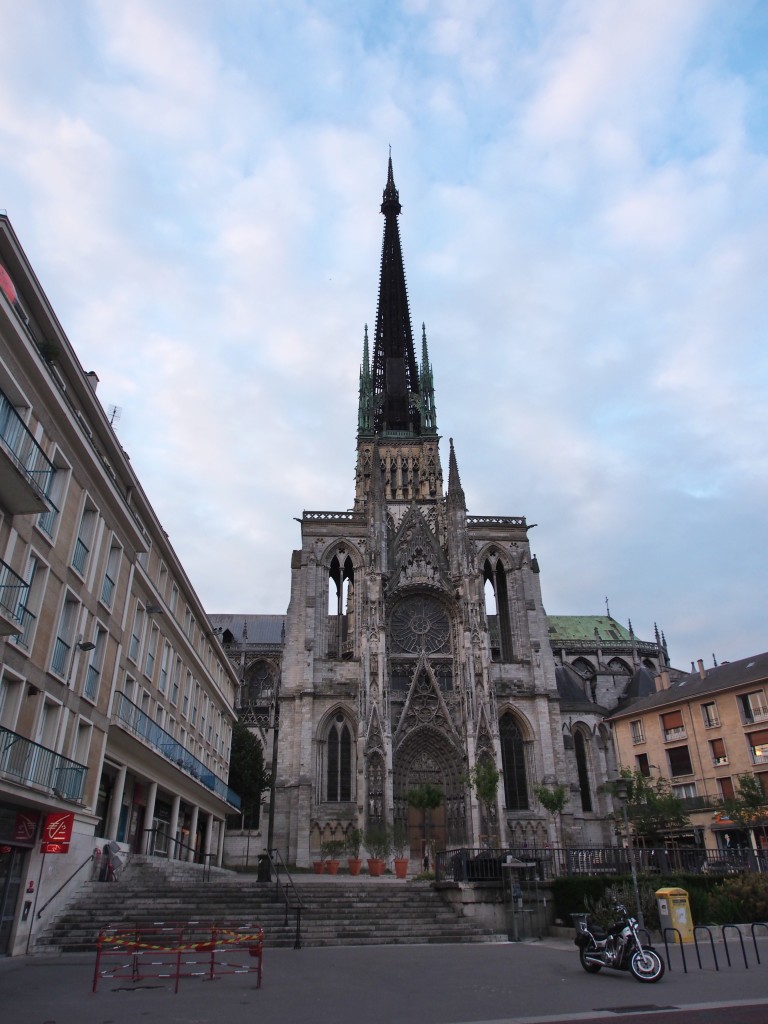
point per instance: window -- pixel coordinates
(82, 743)
(149, 663)
(582, 769)
(129, 687)
(187, 695)
(174, 599)
(175, 683)
(11, 691)
(754, 707)
(30, 602)
(643, 766)
(710, 715)
(727, 791)
(95, 665)
(513, 763)
(637, 730)
(679, 761)
(65, 635)
(110, 575)
(717, 748)
(165, 662)
(339, 761)
(758, 744)
(672, 725)
(685, 791)
(47, 521)
(84, 541)
(497, 610)
(136, 634)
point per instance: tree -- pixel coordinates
(425, 798)
(652, 807)
(248, 776)
(484, 778)
(554, 801)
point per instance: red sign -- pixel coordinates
(25, 826)
(57, 831)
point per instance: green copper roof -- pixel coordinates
(564, 628)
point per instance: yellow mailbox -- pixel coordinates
(675, 912)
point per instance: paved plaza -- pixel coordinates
(492, 983)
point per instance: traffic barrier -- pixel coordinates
(175, 950)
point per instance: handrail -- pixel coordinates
(298, 906)
(206, 859)
(64, 885)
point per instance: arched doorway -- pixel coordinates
(427, 756)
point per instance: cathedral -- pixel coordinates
(416, 643)
(416, 648)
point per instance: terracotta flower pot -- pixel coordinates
(333, 867)
(401, 867)
(354, 864)
(318, 866)
(375, 866)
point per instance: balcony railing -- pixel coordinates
(140, 724)
(34, 765)
(678, 733)
(24, 451)
(13, 593)
(757, 713)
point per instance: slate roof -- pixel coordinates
(252, 629)
(728, 676)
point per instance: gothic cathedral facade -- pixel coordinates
(416, 645)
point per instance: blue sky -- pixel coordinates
(585, 228)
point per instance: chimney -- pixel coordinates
(662, 680)
(93, 379)
(702, 673)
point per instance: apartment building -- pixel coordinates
(116, 697)
(702, 733)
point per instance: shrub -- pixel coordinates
(743, 899)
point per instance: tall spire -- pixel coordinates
(427, 388)
(364, 411)
(455, 490)
(395, 374)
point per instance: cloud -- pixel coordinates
(584, 234)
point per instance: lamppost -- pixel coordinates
(81, 645)
(621, 792)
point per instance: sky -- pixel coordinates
(585, 232)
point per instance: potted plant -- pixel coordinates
(378, 843)
(401, 847)
(353, 844)
(331, 850)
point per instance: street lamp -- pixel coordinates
(81, 645)
(621, 792)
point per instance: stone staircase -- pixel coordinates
(337, 912)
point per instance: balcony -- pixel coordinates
(756, 713)
(25, 470)
(131, 717)
(675, 734)
(13, 595)
(29, 764)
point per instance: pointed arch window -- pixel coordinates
(497, 610)
(513, 764)
(341, 589)
(582, 769)
(339, 761)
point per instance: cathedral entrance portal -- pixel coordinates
(427, 757)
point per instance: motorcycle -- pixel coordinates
(619, 947)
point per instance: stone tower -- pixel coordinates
(416, 642)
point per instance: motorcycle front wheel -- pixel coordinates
(647, 965)
(588, 966)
